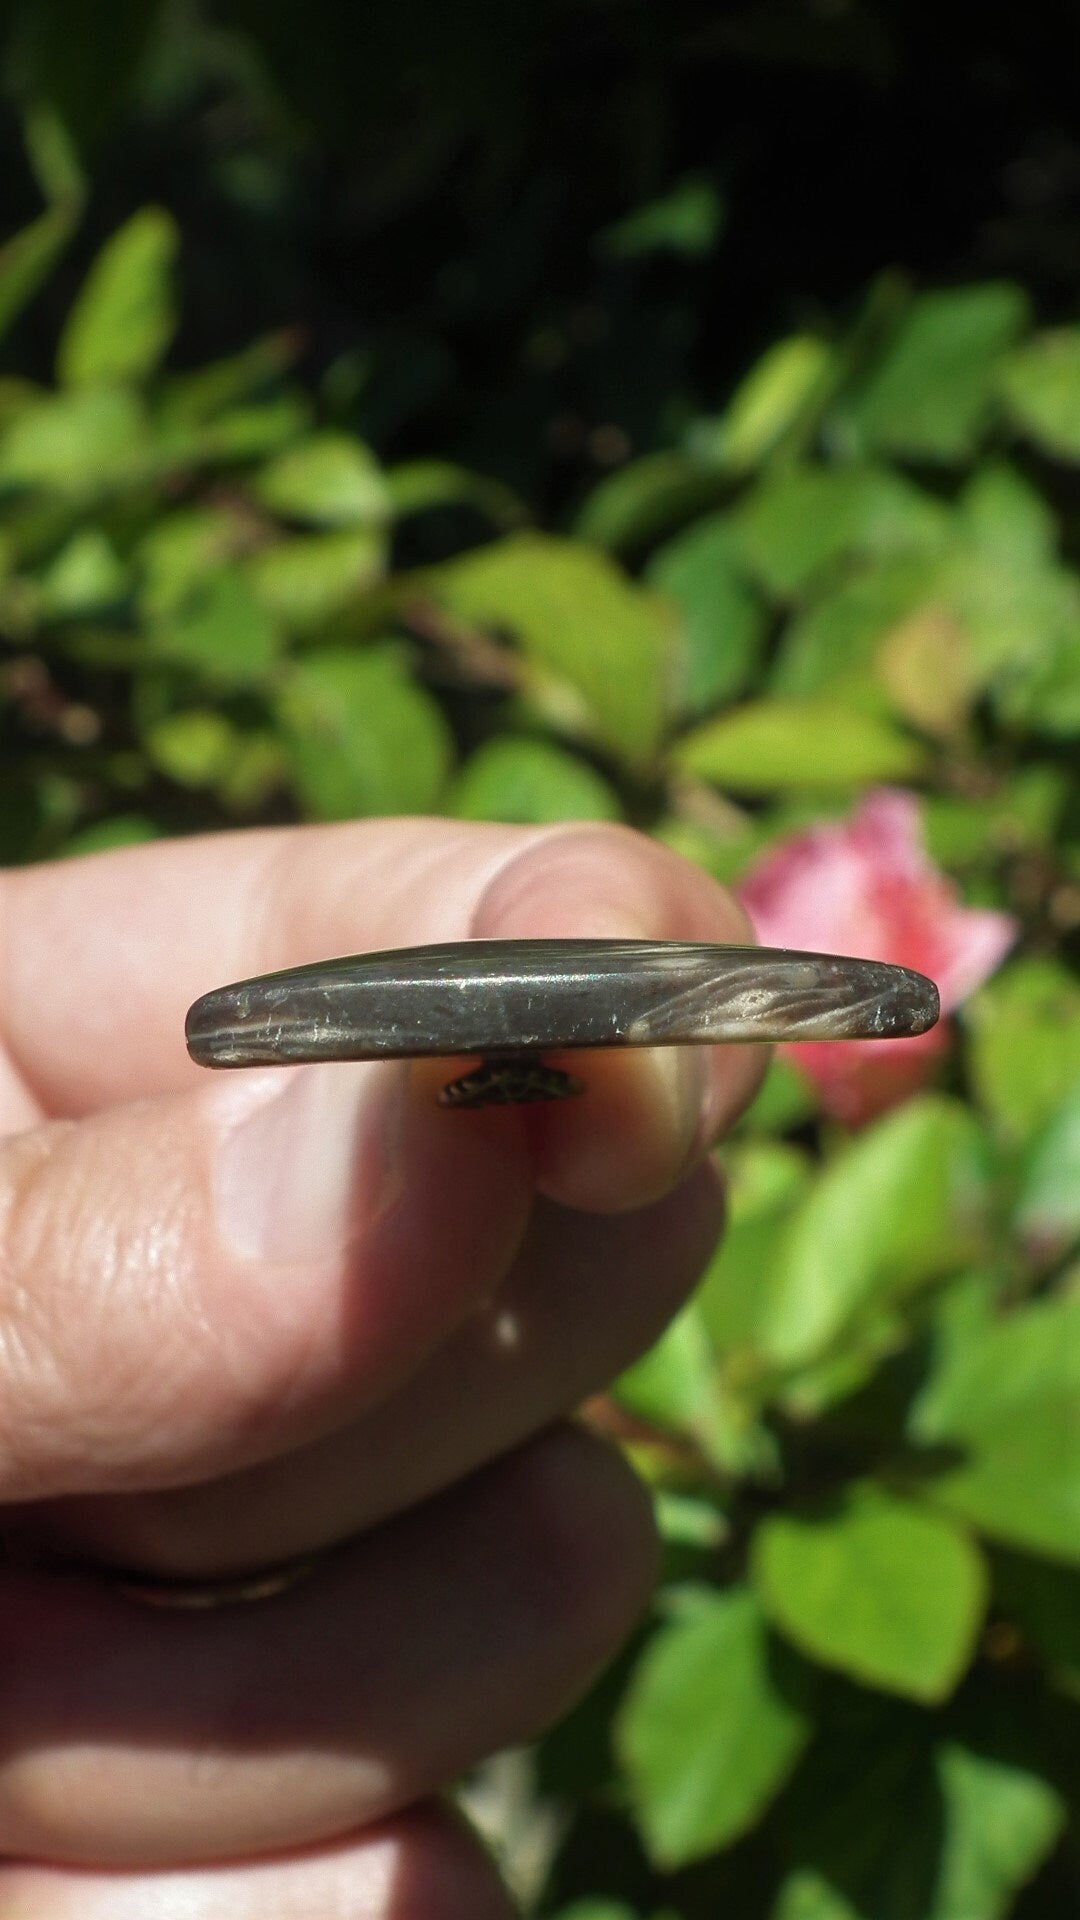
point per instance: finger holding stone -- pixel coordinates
(424, 1862)
(200, 1280)
(465, 1626)
(587, 1294)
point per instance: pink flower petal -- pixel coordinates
(866, 886)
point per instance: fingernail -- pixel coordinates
(297, 1175)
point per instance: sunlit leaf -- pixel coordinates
(723, 623)
(362, 737)
(416, 486)
(84, 577)
(77, 444)
(528, 782)
(124, 318)
(222, 631)
(766, 1180)
(180, 550)
(1006, 517)
(903, 1203)
(930, 395)
(792, 377)
(577, 617)
(1047, 1212)
(329, 480)
(674, 1385)
(646, 499)
(193, 747)
(1006, 1408)
(769, 746)
(1041, 386)
(1001, 1821)
(801, 519)
(890, 1593)
(711, 1727)
(305, 579)
(1025, 1051)
(119, 830)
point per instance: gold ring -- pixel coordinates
(163, 1590)
(200, 1595)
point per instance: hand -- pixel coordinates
(246, 1316)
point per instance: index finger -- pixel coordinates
(101, 958)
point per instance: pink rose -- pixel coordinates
(865, 886)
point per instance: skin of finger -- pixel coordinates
(649, 1113)
(139, 1349)
(100, 957)
(586, 1296)
(425, 1865)
(141, 1737)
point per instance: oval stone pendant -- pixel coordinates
(512, 1001)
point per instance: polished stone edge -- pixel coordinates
(516, 996)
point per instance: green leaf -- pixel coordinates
(902, 1204)
(415, 486)
(1022, 814)
(832, 646)
(1040, 691)
(28, 258)
(124, 318)
(786, 1100)
(196, 399)
(180, 550)
(644, 500)
(578, 618)
(1001, 1822)
(722, 619)
(800, 520)
(1007, 518)
(527, 782)
(769, 746)
(76, 444)
(1047, 1212)
(806, 1895)
(1025, 1044)
(119, 830)
(766, 1180)
(712, 1725)
(887, 1592)
(306, 579)
(221, 632)
(674, 1385)
(84, 577)
(790, 381)
(930, 395)
(243, 433)
(1007, 1403)
(1041, 387)
(688, 221)
(53, 156)
(362, 737)
(328, 480)
(194, 747)
(900, 1834)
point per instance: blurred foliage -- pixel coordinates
(499, 540)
